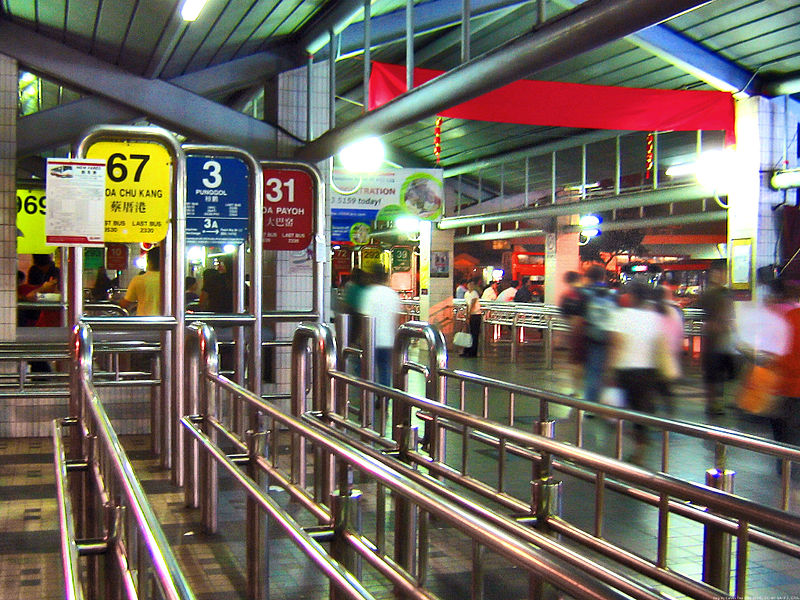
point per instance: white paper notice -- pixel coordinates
(76, 202)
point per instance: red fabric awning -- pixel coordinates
(552, 103)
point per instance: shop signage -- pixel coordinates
(138, 189)
(290, 197)
(217, 190)
(117, 257)
(401, 259)
(383, 196)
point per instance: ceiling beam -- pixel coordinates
(583, 29)
(646, 198)
(163, 103)
(428, 17)
(689, 56)
(316, 34)
(63, 124)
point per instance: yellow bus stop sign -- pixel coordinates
(138, 189)
(31, 239)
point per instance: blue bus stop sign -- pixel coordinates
(217, 189)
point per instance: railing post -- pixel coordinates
(405, 513)
(548, 343)
(207, 475)
(346, 513)
(256, 524)
(367, 371)
(545, 491)
(717, 543)
(157, 411)
(514, 337)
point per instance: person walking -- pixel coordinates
(144, 290)
(636, 333)
(473, 315)
(716, 354)
(597, 309)
(383, 304)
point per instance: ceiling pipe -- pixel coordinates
(585, 28)
(531, 151)
(647, 198)
(498, 235)
(782, 86)
(705, 217)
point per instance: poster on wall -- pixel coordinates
(75, 214)
(383, 196)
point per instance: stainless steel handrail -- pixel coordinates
(69, 545)
(97, 423)
(720, 436)
(475, 527)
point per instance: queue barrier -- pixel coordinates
(331, 480)
(720, 516)
(545, 319)
(109, 520)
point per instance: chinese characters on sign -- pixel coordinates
(138, 189)
(289, 201)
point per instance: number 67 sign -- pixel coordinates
(289, 199)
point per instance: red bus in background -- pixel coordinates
(526, 264)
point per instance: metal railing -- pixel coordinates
(543, 318)
(319, 476)
(109, 520)
(720, 515)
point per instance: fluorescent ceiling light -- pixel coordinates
(782, 180)
(191, 9)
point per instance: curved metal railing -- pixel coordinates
(124, 529)
(319, 477)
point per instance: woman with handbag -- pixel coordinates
(474, 315)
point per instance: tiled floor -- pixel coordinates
(29, 549)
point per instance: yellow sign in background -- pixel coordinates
(138, 189)
(30, 222)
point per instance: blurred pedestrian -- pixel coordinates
(382, 303)
(636, 333)
(597, 309)
(571, 307)
(718, 360)
(490, 292)
(524, 292)
(461, 289)
(509, 291)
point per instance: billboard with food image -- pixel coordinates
(383, 196)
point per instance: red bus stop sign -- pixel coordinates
(290, 195)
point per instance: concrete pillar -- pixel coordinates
(763, 129)
(441, 288)
(9, 82)
(561, 254)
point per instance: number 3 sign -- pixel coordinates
(138, 189)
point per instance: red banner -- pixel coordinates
(558, 104)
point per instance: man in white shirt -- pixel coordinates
(507, 295)
(380, 301)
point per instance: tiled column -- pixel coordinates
(763, 129)
(8, 227)
(561, 254)
(293, 281)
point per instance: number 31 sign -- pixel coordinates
(289, 196)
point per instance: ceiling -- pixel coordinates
(117, 61)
